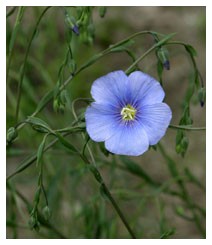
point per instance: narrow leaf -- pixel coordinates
(122, 46)
(66, 143)
(41, 149)
(43, 102)
(137, 170)
(35, 121)
(190, 49)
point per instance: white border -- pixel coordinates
(3, 4)
(105, 3)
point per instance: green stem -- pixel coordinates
(24, 63)
(110, 197)
(111, 47)
(197, 73)
(185, 127)
(90, 62)
(100, 180)
(185, 195)
(158, 44)
(40, 217)
(13, 37)
(11, 11)
(118, 210)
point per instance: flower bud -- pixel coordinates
(163, 56)
(46, 213)
(11, 134)
(201, 96)
(102, 11)
(71, 23)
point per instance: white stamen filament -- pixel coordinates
(128, 112)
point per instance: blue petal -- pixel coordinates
(145, 89)
(129, 140)
(101, 121)
(155, 119)
(111, 89)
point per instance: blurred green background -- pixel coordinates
(78, 209)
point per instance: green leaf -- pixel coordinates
(190, 49)
(37, 122)
(122, 46)
(43, 102)
(41, 149)
(168, 233)
(66, 143)
(137, 170)
(193, 178)
(165, 40)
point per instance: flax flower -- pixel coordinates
(128, 113)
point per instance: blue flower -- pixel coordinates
(128, 112)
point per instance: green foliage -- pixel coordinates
(64, 184)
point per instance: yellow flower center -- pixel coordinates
(128, 113)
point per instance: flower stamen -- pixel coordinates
(128, 113)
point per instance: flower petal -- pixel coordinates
(129, 140)
(155, 119)
(145, 89)
(111, 89)
(101, 121)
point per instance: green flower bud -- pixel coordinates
(163, 56)
(47, 213)
(11, 134)
(102, 11)
(201, 96)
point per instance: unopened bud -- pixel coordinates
(102, 11)
(71, 23)
(46, 213)
(11, 134)
(163, 56)
(201, 96)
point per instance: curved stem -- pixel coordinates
(186, 127)
(24, 63)
(108, 50)
(106, 191)
(192, 59)
(13, 37)
(100, 180)
(90, 62)
(158, 44)
(11, 11)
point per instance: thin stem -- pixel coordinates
(90, 62)
(20, 125)
(24, 63)
(100, 180)
(11, 11)
(13, 37)
(186, 198)
(83, 134)
(192, 59)
(185, 127)
(40, 217)
(158, 44)
(128, 70)
(118, 210)
(110, 197)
